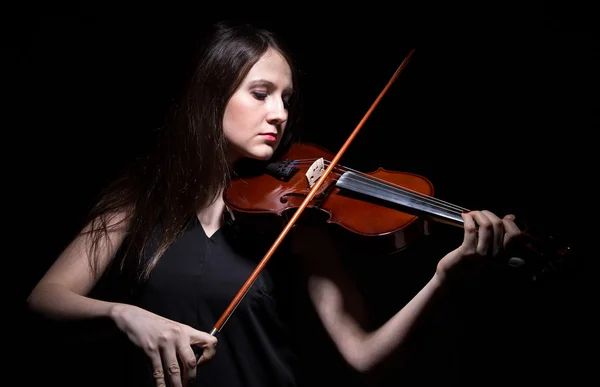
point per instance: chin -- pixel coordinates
(263, 152)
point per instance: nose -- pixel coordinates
(278, 113)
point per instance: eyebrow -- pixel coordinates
(265, 82)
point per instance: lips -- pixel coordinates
(269, 136)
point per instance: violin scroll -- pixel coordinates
(542, 258)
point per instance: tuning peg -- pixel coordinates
(516, 262)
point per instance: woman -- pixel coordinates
(164, 231)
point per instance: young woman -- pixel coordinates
(163, 233)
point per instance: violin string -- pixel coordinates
(391, 191)
(441, 204)
(413, 194)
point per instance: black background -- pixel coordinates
(498, 108)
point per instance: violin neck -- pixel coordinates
(407, 200)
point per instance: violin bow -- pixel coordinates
(254, 275)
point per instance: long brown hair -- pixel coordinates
(188, 166)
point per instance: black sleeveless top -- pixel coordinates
(194, 282)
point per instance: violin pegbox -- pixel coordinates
(315, 172)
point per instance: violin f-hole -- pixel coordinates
(317, 198)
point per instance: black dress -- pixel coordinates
(194, 282)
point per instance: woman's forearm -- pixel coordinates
(57, 302)
(378, 345)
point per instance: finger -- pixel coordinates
(208, 352)
(206, 342)
(512, 230)
(510, 225)
(157, 369)
(470, 237)
(171, 366)
(498, 232)
(188, 363)
(485, 234)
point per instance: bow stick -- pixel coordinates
(252, 278)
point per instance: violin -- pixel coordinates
(390, 207)
(387, 210)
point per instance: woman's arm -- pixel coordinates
(61, 292)
(62, 295)
(340, 307)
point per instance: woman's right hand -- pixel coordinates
(165, 342)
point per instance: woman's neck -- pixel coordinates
(211, 217)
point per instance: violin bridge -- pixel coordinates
(315, 172)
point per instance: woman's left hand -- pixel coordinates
(486, 237)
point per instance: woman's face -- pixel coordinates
(256, 115)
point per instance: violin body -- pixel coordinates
(283, 190)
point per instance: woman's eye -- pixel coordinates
(259, 95)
